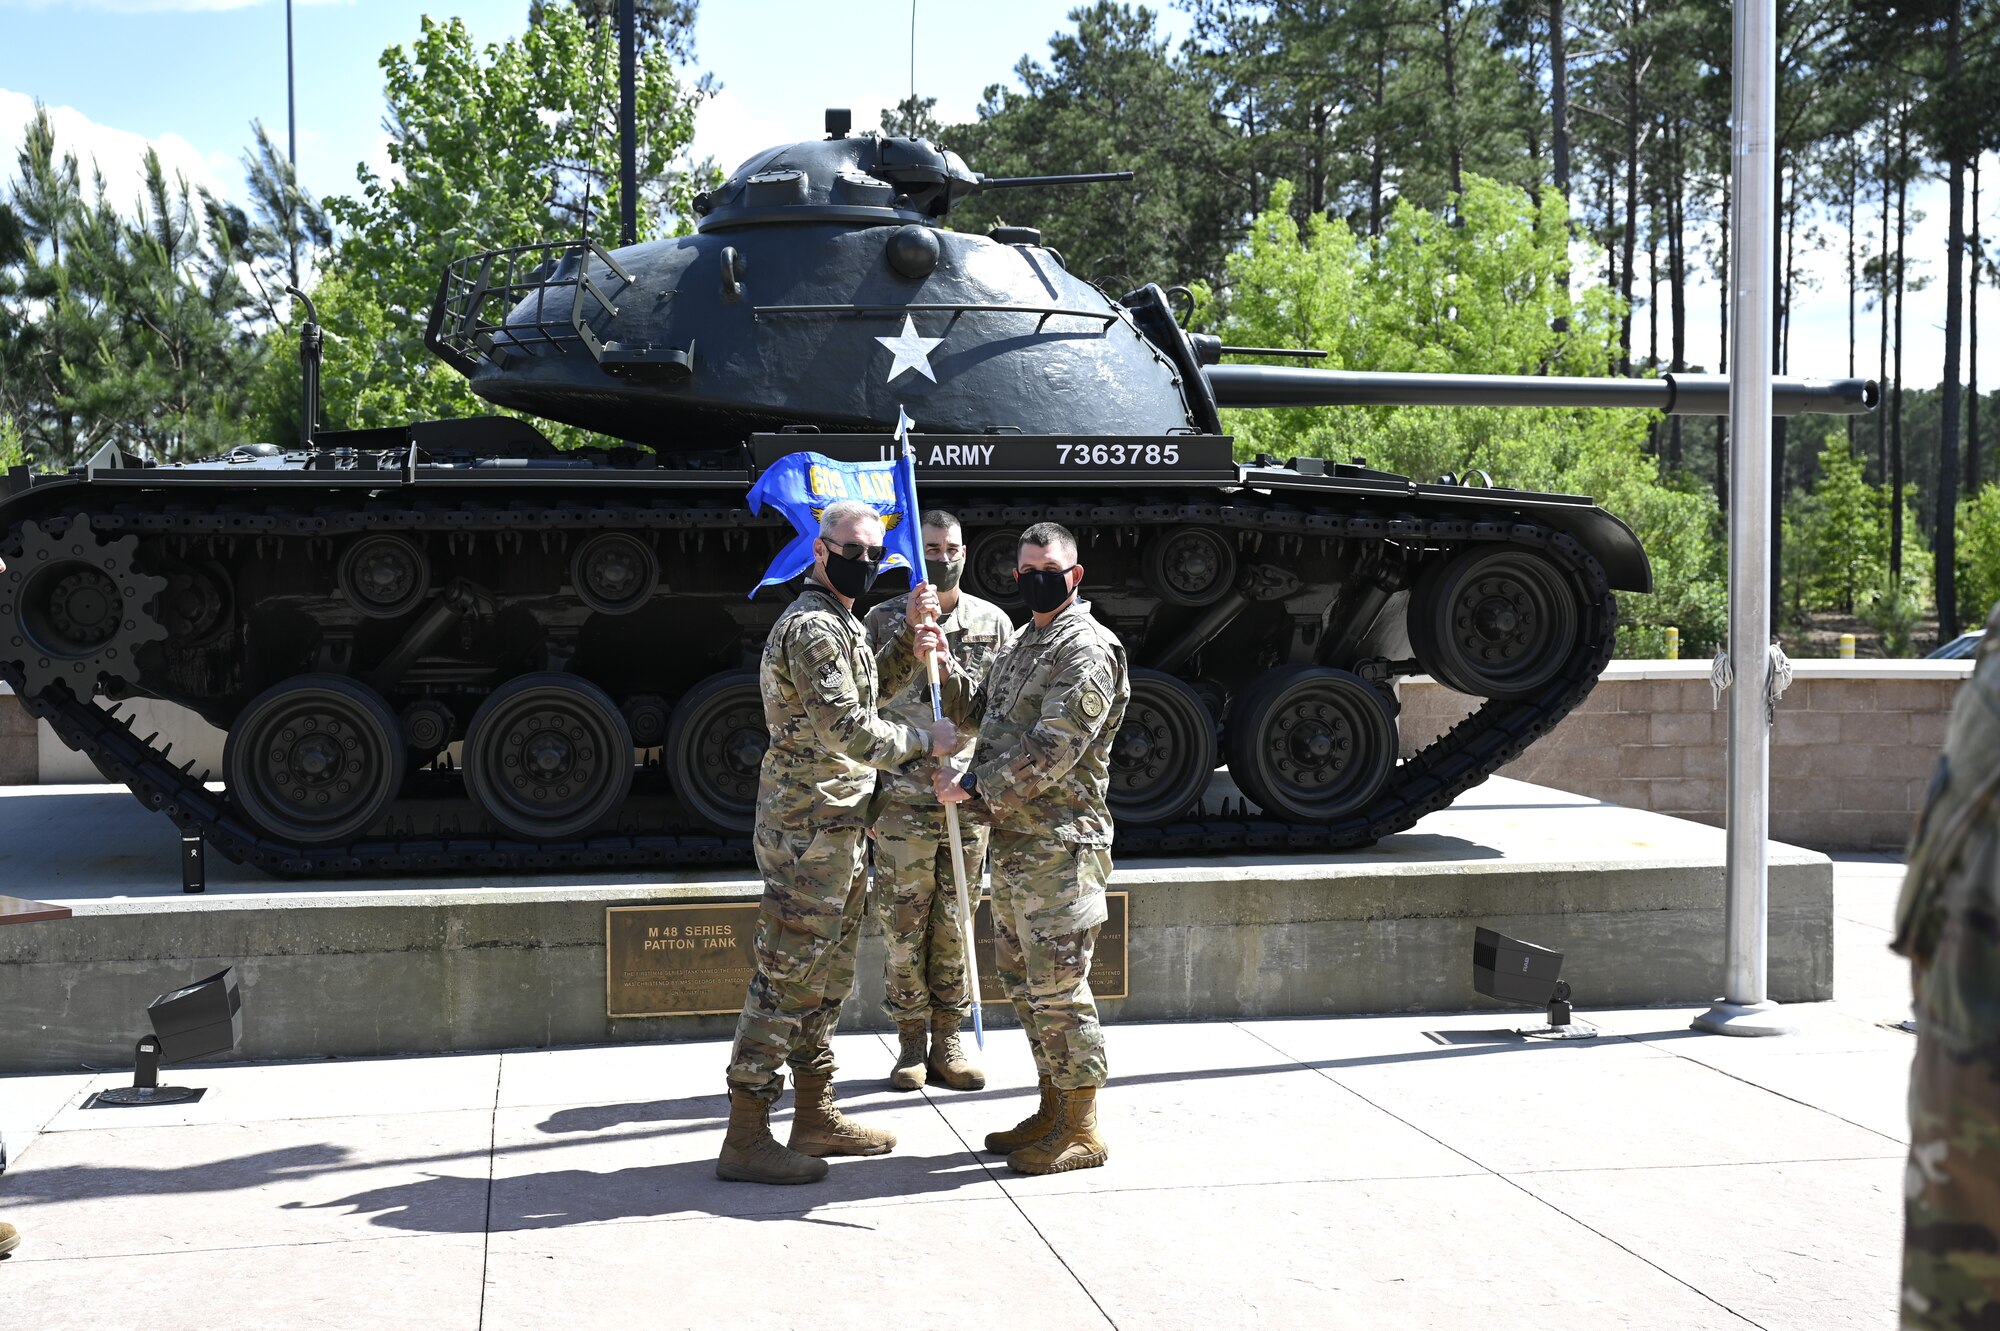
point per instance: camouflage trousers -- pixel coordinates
(1951, 1225)
(815, 895)
(917, 900)
(1048, 904)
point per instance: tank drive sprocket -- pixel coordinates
(75, 607)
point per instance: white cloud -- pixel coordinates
(119, 154)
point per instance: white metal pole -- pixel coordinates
(1745, 1008)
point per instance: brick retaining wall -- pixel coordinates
(1851, 752)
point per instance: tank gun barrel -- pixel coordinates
(1033, 182)
(1674, 394)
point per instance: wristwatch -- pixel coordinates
(969, 783)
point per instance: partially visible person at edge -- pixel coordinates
(916, 894)
(1948, 925)
(818, 678)
(10, 1238)
(1047, 712)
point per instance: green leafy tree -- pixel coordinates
(1979, 555)
(1839, 538)
(1111, 97)
(507, 145)
(1480, 292)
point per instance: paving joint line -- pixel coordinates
(1510, 1182)
(492, 1168)
(993, 1174)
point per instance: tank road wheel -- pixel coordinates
(314, 760)
(1309, 743)
(74, 609)
(614, 573)
(990, 565)
(548, 757)
(715, 746)
(1191, 566)
(384, 576)
(1164, 753)
(1494, 623)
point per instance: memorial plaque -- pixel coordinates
(696, 960)
(679, 960)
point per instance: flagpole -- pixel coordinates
(922, 571)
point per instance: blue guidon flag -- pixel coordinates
(802, 485)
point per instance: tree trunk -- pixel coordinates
(1375, 164)
(1448, 26)
(1944, 535)
(1559, 100)
(1896, 402)
(1972, 458)
(1853, 189)
(1882, 329)
(1631, 236)
(1676, 279)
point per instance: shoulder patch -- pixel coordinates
(821, 650)
(1092, 702)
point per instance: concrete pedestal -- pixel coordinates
(1634, 899)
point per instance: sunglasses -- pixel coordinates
(856, 550)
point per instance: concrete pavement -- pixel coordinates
(1367, 1172)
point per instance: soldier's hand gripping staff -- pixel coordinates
(1047, 712)
(1945, 926)
(925, 973)
(819, 683)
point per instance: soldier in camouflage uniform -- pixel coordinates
(819, 683)
(1948, 925)
(1047, 712)
(916, 894)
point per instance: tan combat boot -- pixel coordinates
(819, 1128)
(1030, 1129)
(750, 1154)
(10, 1239)
(948, 1061)
(1072, 1143)
(908, 1074)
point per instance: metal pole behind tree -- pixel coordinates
(628, 131)
(1744, 1008)
(291, 140)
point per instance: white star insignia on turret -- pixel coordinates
(911, 352)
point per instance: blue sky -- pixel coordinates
(188, 76)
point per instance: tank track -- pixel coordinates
(1429, 780)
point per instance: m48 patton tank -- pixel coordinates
(451, 646)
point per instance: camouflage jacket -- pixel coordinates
(1047, 712)
(976, 631)
(1961, 810)
(819, 683)
(1945, 924)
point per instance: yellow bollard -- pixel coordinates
(1673, 644)
(1847, 646)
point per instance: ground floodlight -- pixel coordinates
(1517, 972)
(196, 1021)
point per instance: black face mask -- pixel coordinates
(1043, 589)
(946, 573)
(851, 577)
